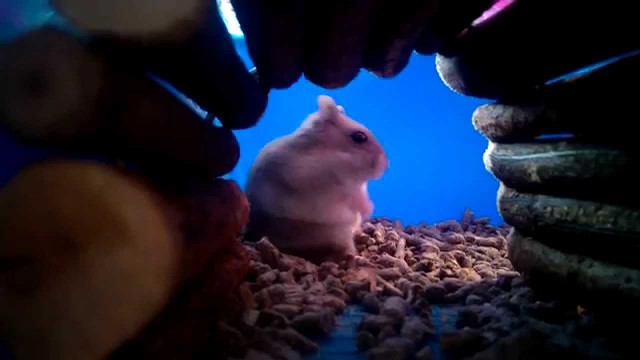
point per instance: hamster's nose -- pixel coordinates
(384, 160)
(383, 164)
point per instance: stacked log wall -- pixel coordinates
(561, 142)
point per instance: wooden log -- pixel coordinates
(55, 92)
(507, 123)
(541, 215)
(595, 106)
(598, 247)
(527, 43)
(567, 169)
(203, 65)
(103, 253)
(81, 246)
(594, 284)
(210, 215)
(214, 265)
(393, 37)
(336, 34)
(204, 210)
(274, 32)
(143, 21)
(187, 328)
(446, 20)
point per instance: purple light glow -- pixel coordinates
(497, 6)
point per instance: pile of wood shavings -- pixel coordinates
(399, 274)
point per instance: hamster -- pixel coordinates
(308, 190)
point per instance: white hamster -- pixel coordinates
(308, 190)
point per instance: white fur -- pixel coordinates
(307, 176)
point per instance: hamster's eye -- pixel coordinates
(359, 137)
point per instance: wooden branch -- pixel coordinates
(55, 92)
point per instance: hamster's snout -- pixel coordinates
(380, 164)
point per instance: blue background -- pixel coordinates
(435, 154)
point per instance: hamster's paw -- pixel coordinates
(367, 210)
(363, 206)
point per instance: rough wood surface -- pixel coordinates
(56, 92)
(392, 39)
(541, 215)
(205, 67)
(594, 106)
(66, 269)
(526, 45)
(447, 19)
(81, 245)
(142, 21)
(567, 169)
(188, 326)
(210, 215)
(506, 123)
(274, 32)
(595, 284)
(335, 38)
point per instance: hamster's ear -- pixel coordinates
(327, 115)
(327, 106)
